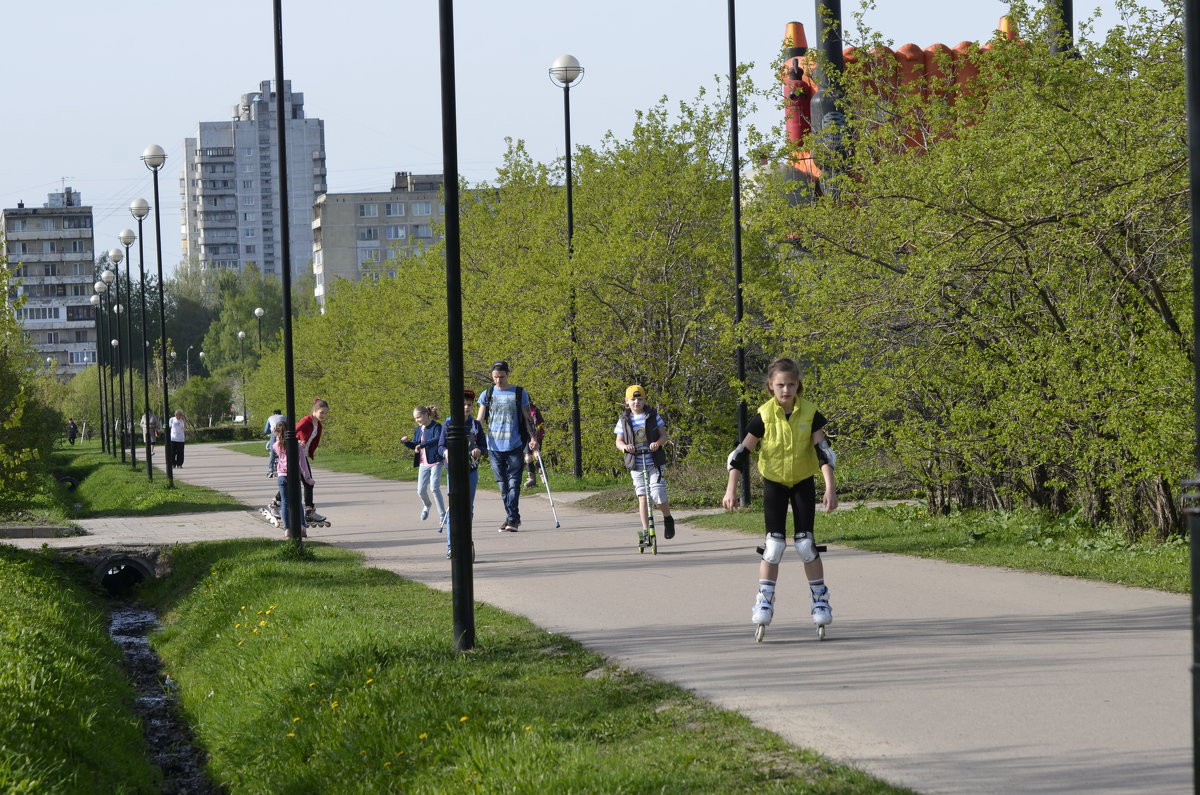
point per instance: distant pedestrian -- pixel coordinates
(72, 430)
(505, 409)
(427, 442)
(793, 450)
(150, 428)
(175, 440)
(475, 442)
(269, 432)
(641, 433)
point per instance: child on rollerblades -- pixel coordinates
(475, 444)
(793, 449)
(427, 441)
(279, 508)
(308, 433)
(641, 434)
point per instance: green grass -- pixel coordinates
(1016, 539)
(109, 488)
(300, 674)
(66, 718)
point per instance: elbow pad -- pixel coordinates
(735, 459)
(825, 454)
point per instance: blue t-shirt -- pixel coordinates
(503, 430)
(643, 460)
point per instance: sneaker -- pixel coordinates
(512, 526)
(503, 527)
(447, 554)
(530, 483)
(269, 474)
(764, 609)
(311, 516)
(668, 527)
(425, 513)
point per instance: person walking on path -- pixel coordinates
(641, 433)
(427, 442)
(505, 409)
(269, 432)
(175, 440)
(72, 430)
(149, 432)
(539, 432)
(474, 452)
(794, 449)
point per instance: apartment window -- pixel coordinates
(40, 313)
(394, 209)
(397, 233)
(81, 222)
(248, 184)
(79, 313)
(247, 168)
(368, 211)
(51, 337)
(423, 231)
(370, 233)
(369, 256)
(250, 249)
(81, 289)
(77, 246)
(21, 248)
(48, 224)
(81, 357)
(250, 232)
(51, 268)
(420, 208)
(81, 335)
(49, 246)
(16, 225)
(248, 151)
(247, 200)
(230, 201)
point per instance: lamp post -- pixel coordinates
(258, 313)
(106, 278)
(740, 356)
(242, 370)
(116, 256)
(102, 356)
(173, 356)
(187, 364)
(140, 208)
(96, 315)
(201, 355)
(153, 157)
(567, 72)
(127, 237)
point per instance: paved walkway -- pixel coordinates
(942, 677)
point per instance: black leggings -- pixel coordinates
(776, 498)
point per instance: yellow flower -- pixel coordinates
(333, 705)
(243, 607)
(291, 734)
(296, 720)
(362, 752)
(237, 625)
(240, 642)
(387, 764)
(369, 681)
(272, 607)
(254, 630)
(312, 684)
(528, 728)
(462, 719)
(423, 735)
(262, 623)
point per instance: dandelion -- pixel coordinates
(296, 719)
(423, 736)
(387, 764)
(291, 734)
(253, 631)
(243, 607)
(463, 719)
(240, 642)
(333, 705)
(528, 728)
(312, 684)
(237, 625)
(369, 681)
(262, 623)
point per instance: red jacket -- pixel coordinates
(308, 430)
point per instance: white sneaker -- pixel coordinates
(764, 609)
(425, 513)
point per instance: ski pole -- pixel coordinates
(538, 455)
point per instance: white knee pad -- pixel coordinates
(805, 547)
(773, 549)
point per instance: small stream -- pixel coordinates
(169, 741)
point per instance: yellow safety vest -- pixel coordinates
(785, 453)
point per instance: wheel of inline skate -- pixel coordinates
(821, 632)
(641, 549)
(759, 632)
(654, 544)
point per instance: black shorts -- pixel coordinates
(776, 498)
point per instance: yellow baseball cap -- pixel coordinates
(637, 390)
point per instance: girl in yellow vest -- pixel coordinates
(792, 449)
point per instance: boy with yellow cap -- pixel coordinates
(641, 434)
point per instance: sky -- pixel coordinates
(89, 85)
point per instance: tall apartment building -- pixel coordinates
(229, 186)
(355, 235)
(49, 250)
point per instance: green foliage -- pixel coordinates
(204, 401)
(299, 673)
(66, 708)
(1006, 308)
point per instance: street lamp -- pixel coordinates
(106, 278)
(187, 364)
(97, 300)
(736, 174)
(140, 208)
(258, 313)
(567, 72)
(97, 315)
(116, 346)
(115, 256)
(242, 369)
(153, 157)
(127, 237)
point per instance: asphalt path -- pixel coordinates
(942, 677)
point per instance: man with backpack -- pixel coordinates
(504, 407)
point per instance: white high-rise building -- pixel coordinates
(49, 250)
(231, 209)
